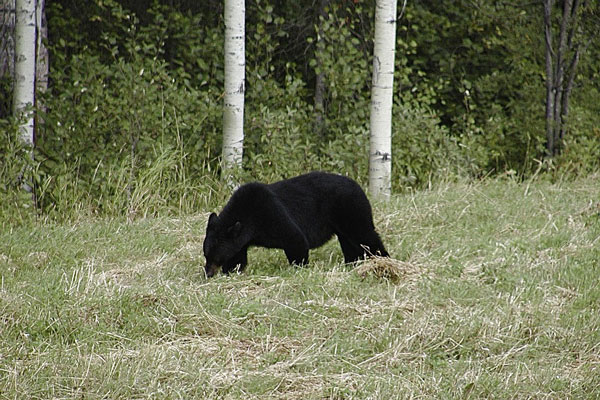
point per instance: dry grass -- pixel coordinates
(493, 293)
(389, 269)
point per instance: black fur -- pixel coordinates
(295, 215)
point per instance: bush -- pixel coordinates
(17, 172)
(422, 148)
(119, 118)
(132, 121)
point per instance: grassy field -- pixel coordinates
(500, 298)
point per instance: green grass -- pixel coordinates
(503, 302)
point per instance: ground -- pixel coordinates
(500, 300)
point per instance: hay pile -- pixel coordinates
(389, 268)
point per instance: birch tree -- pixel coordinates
(233, 110)
(24, 85)
(380, 145)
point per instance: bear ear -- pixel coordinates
(235, 229)
(212, 219)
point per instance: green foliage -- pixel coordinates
(345, 63)
(6, 89)
(489, 59)
(131, 123)
(348, 153)
(16, 169)
(277, 146)
(112, 123)
(581, 153)
(422, 150)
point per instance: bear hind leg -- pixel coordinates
(374, 246)
(351, 251)
(356, 248)
(353, 224)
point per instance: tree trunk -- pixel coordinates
(550, 92)
(320, 77)
(380, 146)
(24, 89)
(233, 110)
(568, 89)
(560, 77)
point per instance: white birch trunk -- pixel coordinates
(380, 146)
(235, 63)
(25, 41)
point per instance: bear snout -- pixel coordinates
(211, 269)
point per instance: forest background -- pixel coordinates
(132, 116)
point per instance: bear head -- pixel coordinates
(222, 243)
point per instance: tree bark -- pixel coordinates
(380, 145)
(549, 79)
(233, 110)
(560, 77)
(564, 112)
(320, 77)
(24, 89)
(560, 74)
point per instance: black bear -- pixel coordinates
(295, 215)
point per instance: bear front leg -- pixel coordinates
(239, 262)
(297, 255)
(279, 230)
(296, 246)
